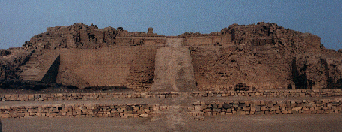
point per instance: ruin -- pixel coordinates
(263, 56)
(257, 60)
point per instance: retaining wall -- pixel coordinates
(196, 109)
(320, 106)
(78, 110)
(205, 103)
(108, 95)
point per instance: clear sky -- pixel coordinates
(22, 19)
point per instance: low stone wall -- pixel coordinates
(78, 110)
(201, 104)
(104, 96)
(273, 93)
(83, 96)
(199, 109)
(322, 106)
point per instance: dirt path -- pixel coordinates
(282, 123)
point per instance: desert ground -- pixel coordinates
(302, 122)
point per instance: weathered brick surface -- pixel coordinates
(131, 67)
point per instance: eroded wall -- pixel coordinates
(224, 67)
(118, 66)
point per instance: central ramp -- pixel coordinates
(174, 73)
(173, 68)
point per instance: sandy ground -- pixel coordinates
(309, 123)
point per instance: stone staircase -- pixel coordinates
(37, 66)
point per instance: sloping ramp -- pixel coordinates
(173, 68)
(38, 65)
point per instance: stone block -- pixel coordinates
(252, 109)
(246, 108)
(257, 108)
(284, 111)
(306, 108)
(270, 104)
(326, 108)
(295, 111)
(296, 108)
(197, 108)
(207, 113)
(263, 108)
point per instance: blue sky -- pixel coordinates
(22, 19)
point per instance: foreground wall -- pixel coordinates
(209, 103)
(78, 110)
(197, 110)
(298, 93)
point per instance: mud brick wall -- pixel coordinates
(131, 67)
(207, 41)
(78, 110)
(219, 68)
(322, 106)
